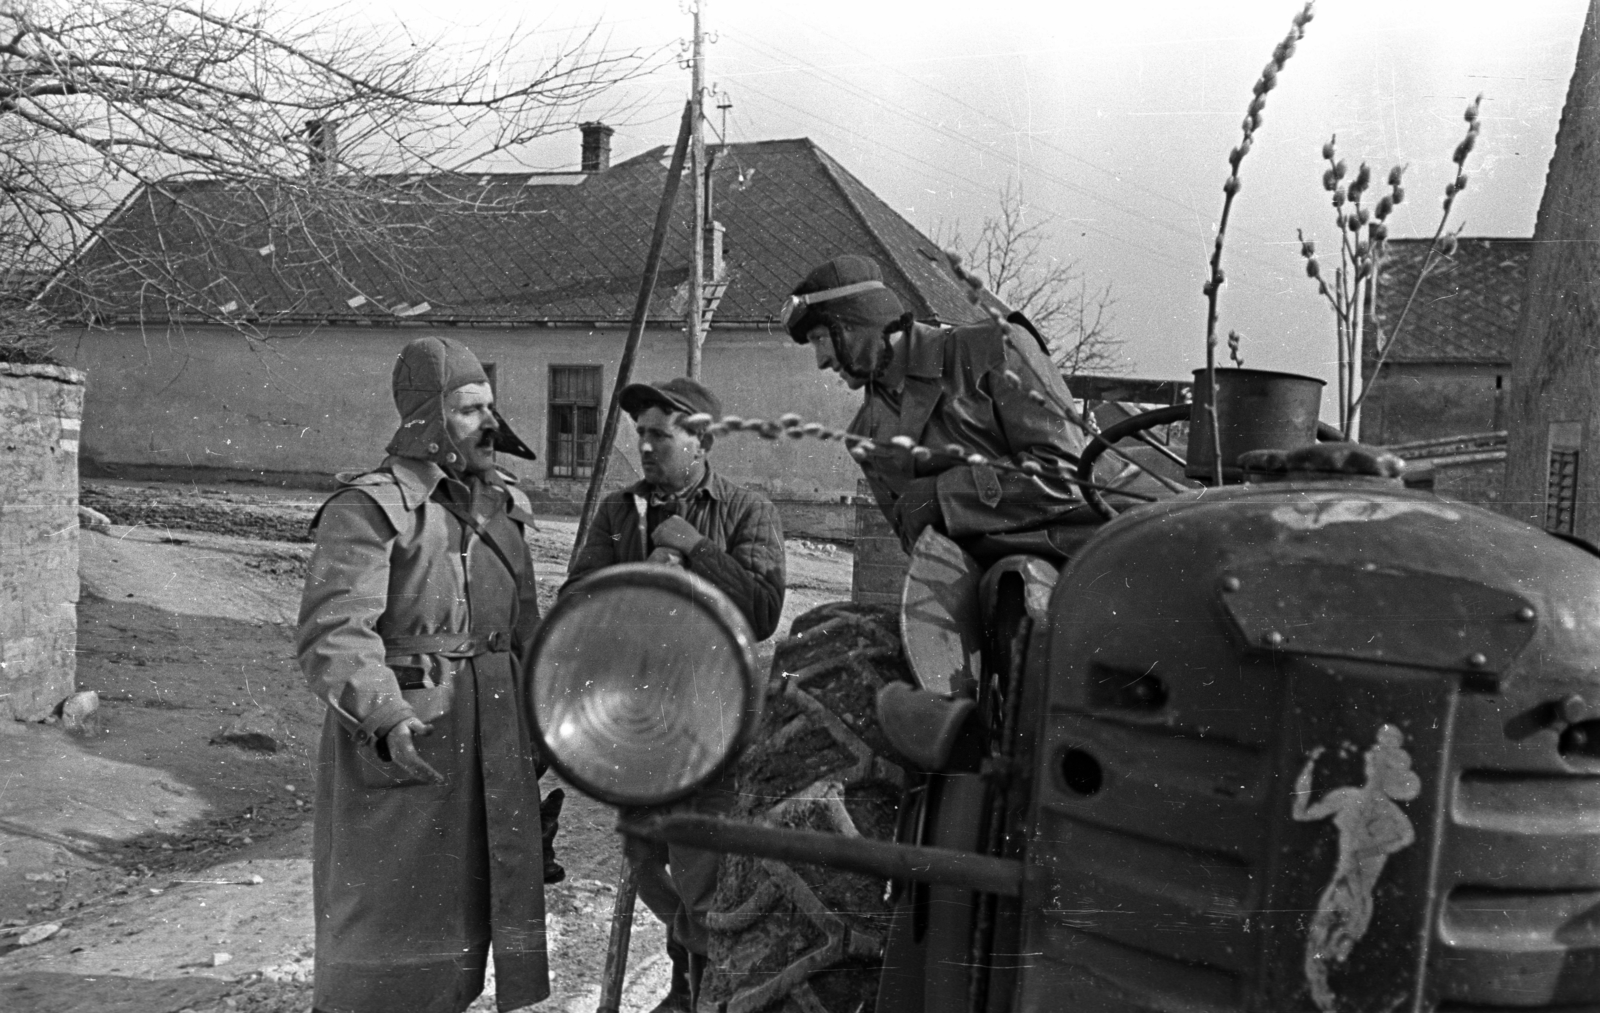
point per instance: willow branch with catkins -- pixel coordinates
(1230, 189)
(1363, 238)
(794, 427)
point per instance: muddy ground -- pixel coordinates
(159, 871)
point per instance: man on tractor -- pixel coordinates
(987, 389)
(966, 433)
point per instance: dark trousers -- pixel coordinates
(675, 882)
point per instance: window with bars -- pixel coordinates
(1561, 491)
(574, 420)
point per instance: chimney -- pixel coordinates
(322, 143)
(596, 146)
(714, 234)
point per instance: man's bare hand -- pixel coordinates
(676, 533)
(665, 556)
(403, 749)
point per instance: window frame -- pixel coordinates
(564, 450)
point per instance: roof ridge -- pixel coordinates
(833, 170)
(654, 154)
(1409, 240)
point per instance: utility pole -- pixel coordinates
(697, 169)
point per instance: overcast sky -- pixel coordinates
(1115, 119)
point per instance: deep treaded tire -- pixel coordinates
(800, 938)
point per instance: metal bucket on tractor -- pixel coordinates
(1308, 742)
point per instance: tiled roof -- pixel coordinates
(516, 247)
(1466, 310)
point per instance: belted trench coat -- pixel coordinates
(409, 611)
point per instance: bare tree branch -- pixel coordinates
(103, 99)
(1011, 253)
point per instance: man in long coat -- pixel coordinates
(419, 598)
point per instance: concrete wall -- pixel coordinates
(879, 568)
(303, 405)
(1557, 360)
(1421, 402)
(40, 409)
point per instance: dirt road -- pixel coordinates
(177, 869)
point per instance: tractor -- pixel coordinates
(1306, 740)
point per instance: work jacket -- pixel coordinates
(742, 552)
(986, 392)
(410, 611)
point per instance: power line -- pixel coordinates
(949, 173)
(1061, 181)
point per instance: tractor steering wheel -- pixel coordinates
(1138, 424)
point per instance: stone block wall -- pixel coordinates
(1553, 405)
(41, 412)
(880, 563)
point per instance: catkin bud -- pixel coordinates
(1461, 182)
(1230, 186)
(1327, 149)
(1328, 182)
(921, 453)
(903, 442)
(1447, 245)
(1394, 176)
(1399, 194)
(1340, 168)
(977, 460)
(1313, 269)
(1338, 197)
(812, 429)
(1032, 467)
(1308, 248)
(955, 450)
(1379, 232)
(1385, 205)
(789, 420)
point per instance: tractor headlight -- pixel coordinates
(644, 687)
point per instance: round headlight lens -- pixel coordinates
(643, 684)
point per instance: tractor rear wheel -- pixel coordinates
(800, 938)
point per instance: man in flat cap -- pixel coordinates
(417, 604)
(684, 514)
(985, 388)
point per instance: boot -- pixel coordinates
(549, 822)
(697, 970)
(679, 998)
